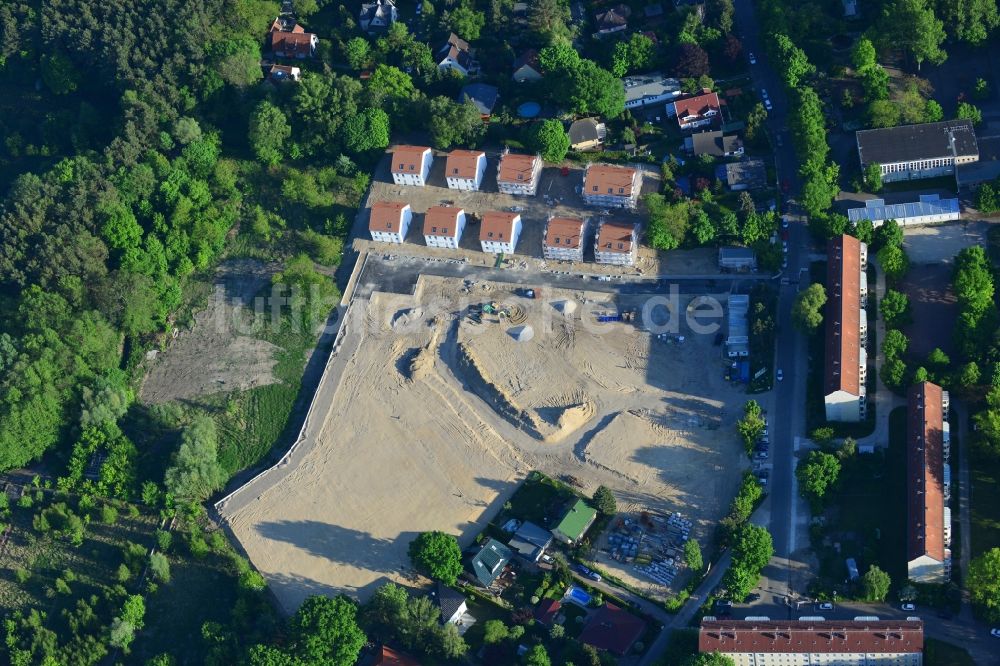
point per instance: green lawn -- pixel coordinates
(939, 653)
(985, 513)
(540, 499)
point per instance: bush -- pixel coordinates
(164, 540)
(160, 567)
(109, 514)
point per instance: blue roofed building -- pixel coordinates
(489, 563)
(930, 209)
(530, 541)
(483, 95)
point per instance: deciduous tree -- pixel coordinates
(438, 555)
(807, 310)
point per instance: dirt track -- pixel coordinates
(437, 419)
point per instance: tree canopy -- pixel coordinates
(438, 555)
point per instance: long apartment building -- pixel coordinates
(928, 519)
(814, 643)
(846, 329)
(927, 150)
(611, 186)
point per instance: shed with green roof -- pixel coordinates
(575, 523)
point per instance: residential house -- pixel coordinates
(281, 73)
(489, 562)
(411, 165)
(698, 111)
(612, 19)
(737, 259)
(530, 541)
(389, 657)
(616, 243)
(698, 6)
(648, 89)
(444, 226)
(928, 517)
(738, 340)
(456, 55)
(563, 238)
(611, 186)
(483, 95)
(613, 629)
(452, 603)
(377, 16)
(464, 169)
(389, 221)
(803, 642)
(526, 67)
(928, 150)
(292, 43)
(519, 174)
(846, 363)
(547, 611)
(578, 519)
(743, 175)
(587, 134)
(715, 144)
(499, 232)
(930, 209)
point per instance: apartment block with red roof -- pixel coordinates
(292, 43)
(564, 238)
(411, 165)
(499, 232)
(846, 361)
(611, 186)
(443, 226)
(811, 643)
(616, 243)
(464, 169)
(389, 221)
(698, 111)
(519, 174)
(928, 519)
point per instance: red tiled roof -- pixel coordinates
(615, 237)
(290, 42)
(463, 164)
(441, 221)
(794, 636)
(564, 232)
(390, 657)
(516, 168)
(529, 58)
(408, 159)
(608, 179)
(843, 315)
(613, 629)
(546, 611)
(497, 226)
(696, 106)
(925, 472)
(386, 216)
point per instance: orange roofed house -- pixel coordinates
(519, 174)
(563, 239)
(443, 226)
(846, 329)
(697, 111)
(803, 642)
(928, 485)
(499, 232)
(464, 169)
(293, 42)
(616, 243)
(411, 165)
(389, 221)
(611, 186)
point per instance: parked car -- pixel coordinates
(753, 59)
(825, 606)
(753, 596)
(593, 575)
(784, 262)
(784, 220)
(995, 633)
(780, 375)
(909, 607)
(582, 569)
(760, 455)
(762, 477)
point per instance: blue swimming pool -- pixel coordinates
(529, 109)
(578, 596)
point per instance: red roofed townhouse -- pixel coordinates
(499, 232)
(613, 629)
(390, 221)
(464, 169)
(616, 243)
(805, 643)
(411, 165)
(611, 186)
(563, 239)
(519, 174)
(293, 43)
(443, 226)
(390, 657)
(697, 111)
(928, 485)
(846, 329)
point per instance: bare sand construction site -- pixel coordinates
(427, 419)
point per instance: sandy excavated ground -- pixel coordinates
(217, 353)
(436, 420)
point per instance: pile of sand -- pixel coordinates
(521, 333)
(406, 317)
(571, 419)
